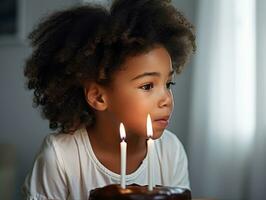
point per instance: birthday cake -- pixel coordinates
(137, 192)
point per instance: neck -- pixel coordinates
(105, 140)
(105, 136)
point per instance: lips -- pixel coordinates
(162, 121)
(164, 118)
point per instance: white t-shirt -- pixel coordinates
(67, 168)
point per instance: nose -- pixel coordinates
(166, 98)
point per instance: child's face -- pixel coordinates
(142, 87)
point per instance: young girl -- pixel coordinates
(93, 68)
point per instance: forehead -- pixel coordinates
(155, 60)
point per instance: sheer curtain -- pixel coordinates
(258, 170)
(226, 140)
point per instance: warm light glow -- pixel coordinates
(149, 126)
(122, 131)
(126, 191)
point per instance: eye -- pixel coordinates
(168, 85)
(147, 87)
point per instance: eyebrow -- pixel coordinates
(151, 74)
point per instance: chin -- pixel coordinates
(157, 134)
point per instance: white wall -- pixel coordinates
(22, 125)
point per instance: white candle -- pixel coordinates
(150, 146)
(123, 151)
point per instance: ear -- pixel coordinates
(95, 96)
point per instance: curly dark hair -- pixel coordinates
(91, 42)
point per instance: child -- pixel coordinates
(93, 68)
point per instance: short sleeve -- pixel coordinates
(47, 178)
(174, 161)
(180, 175)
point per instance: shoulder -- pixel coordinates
(172, 160)
(169, 139)
(62, 140)
(48, 168)
(168, 145)
(61, 147)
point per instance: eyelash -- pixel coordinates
(149, 86)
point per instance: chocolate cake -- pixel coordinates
(136, 192)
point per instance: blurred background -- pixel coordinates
(220, 98)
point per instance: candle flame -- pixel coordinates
(149, 126)
(122, 131)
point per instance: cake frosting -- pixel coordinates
(137, 192)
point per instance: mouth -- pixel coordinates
(162, 121)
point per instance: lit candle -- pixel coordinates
(150, 146)
(123, 149)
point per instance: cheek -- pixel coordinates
(127, 103)
(131, 107)
(136, 109)
(135, 113)
(136, 101)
